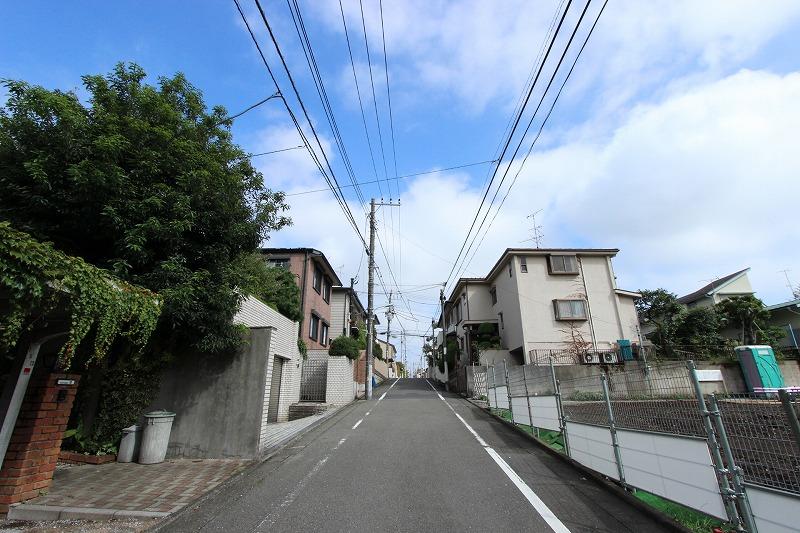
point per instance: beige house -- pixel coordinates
(736, 284)
(542, 299)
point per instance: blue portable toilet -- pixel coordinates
(759, 367)
(625, 349)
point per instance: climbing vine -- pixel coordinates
(36, 278)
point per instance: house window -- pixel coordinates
(279, 263)
(326, 289)
(493, 294)
(502, 324)
(570, 309)
(317, 280)
(314, 328)
(323, 338)
(523, 264)
(563, 264)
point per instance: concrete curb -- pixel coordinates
(595, 476)
(341, 411)
(34, 512)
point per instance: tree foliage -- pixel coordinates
(274, 286)
(36, 279)
(142, 181)
(749, 316)
(344, 346)
(661, 309)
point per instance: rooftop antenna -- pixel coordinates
(536, 230)
(795, 291)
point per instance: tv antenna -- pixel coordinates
(536, 230)
(795, 291)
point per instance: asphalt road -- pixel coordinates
(415, 460)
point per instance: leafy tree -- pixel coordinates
(344, 346)
(274, 286)
(145, 182)
(660, 308)
(699, 328)
(750, 317)
(142, 181)
(377, 349)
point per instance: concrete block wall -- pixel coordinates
(791, 373)
(32, 454)
(341, 385)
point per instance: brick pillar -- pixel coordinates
(36, 442)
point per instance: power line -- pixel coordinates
(401, 177)
(336, 190)
(275, 152)
(239, 114)
(508, 139)
(389, 96)
(541, 128)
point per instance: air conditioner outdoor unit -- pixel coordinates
(591, 358)
(610, 357)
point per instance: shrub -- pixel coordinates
(344, 347)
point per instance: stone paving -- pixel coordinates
(277, 434)
(158, 488)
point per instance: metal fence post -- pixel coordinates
(508, 392)
(713, 446)
(562, 419)
(528, 401)
(494, 382)
(791, 415)
(612, 428)
(737, 477)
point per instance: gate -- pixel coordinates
(314, 380)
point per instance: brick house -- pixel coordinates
(316, 278)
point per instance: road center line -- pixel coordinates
(357, 423)
(536, 502)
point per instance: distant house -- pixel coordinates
(538, 300)
(736, 284)
(786, 315)
(225, 402)
(347, 312)
(316, 278)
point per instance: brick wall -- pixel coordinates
(341, 386)
(36, 442)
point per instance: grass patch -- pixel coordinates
(694, 520)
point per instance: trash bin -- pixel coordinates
(155, 438)
(129, 445)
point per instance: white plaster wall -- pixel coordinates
(340, 313)
(479, 302)
(508, 303)
(628, 318)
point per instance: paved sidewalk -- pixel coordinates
(280, 433)
(117, 490)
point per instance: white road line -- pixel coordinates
(536, 502)
(368, 412)
(357, 423)
(341, 441)
(383, 396)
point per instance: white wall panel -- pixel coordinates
(591, 446)
(519, 406)
(677, 468)
(545, 412)
(774, 511)
(502, 397)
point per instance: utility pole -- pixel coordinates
(444, 344)
(389, 313)
(370, 292)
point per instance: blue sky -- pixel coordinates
(673, 140)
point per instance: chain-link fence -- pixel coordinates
(629, 423)
(760, 432)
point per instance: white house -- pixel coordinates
(541, 300)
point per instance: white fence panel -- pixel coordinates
(490, 397)
(519, 405)
(677, 468)
(545, 412)
(591, 446)
(502, 397)
(774, 511)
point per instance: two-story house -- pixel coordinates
(536, 300)
(316, 278)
